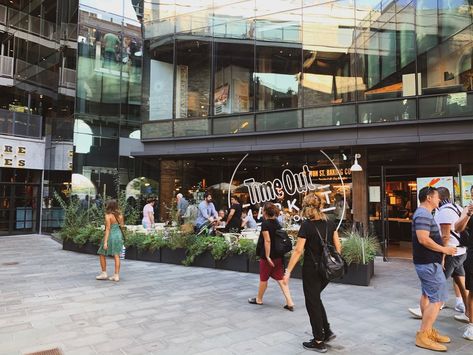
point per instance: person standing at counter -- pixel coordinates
(428, 250)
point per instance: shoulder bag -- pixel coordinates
(332, 266)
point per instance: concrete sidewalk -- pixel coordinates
(50, 298)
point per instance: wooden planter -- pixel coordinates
(358, 274)
(87, 248)
(204, 260)
(173, 256)
(234, 262)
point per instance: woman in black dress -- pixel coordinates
(314, 227)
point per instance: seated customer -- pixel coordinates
(247, 219)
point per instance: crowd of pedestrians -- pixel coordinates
(442, 242)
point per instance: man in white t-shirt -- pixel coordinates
(446, 216)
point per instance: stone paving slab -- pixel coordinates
(51, 297)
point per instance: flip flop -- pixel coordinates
(253, 301)
(289, 308)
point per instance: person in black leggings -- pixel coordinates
(314, 227)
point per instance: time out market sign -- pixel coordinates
(289, 184)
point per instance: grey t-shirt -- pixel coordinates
(423, 220)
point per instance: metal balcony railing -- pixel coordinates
(6, 66)
(20, 124)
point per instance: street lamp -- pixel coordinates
(356, 166)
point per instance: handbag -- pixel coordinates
(332, 266)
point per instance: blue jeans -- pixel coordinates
(433, 282)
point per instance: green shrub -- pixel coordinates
(248, 247)
(135, 240)
(152, 242)
(359, 248)
(197, 245)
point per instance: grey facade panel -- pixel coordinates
(354, 136)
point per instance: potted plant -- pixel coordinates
(358, 250)
(238, 255)
(174, 246)
(199, 251)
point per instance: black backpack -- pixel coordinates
(283, 242)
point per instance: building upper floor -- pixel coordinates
(226, 68)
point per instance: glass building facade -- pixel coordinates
(236, 67)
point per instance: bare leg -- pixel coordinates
(263, 285)
(429, 316)
(460, 285)
(286, 292)
(103, 263)
(117, 264)
(424, 302)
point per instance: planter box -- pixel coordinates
(87, 248)
(358, 274)
(253, 266)
(173, 256)
(204, 260)
(234, 263)
(147, 255)
(131, 253)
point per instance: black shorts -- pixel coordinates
(454, 265)
(468, 266)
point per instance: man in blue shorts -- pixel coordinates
(428, 250)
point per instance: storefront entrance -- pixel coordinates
(392, 210)
(19, 208)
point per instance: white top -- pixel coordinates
(447, 215)
(146, 210)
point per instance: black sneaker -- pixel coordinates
(329, 336)
(313, 345)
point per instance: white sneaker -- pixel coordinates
(102, 276)
(444, 305)
(468, 332)
(416, 312)
(462, 318)
(460, 307)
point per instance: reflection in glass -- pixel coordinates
(276, 77)
(192, 78)
(329, 73)
(234, 63)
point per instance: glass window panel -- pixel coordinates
(195, 22)
(385, 74)
(279, 120)
(233, 78)
(451, 105)
(192, 78)
(280, 27)
(277, 77)
(234, 20)
(387, 111)
(233, 124)
(189, 128)
(447, 68)
(328, 63)
(330, 116)
(453, 16)
(426, 25)
(157, 130)
(160, 83)
(264, 7)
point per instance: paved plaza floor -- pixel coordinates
(50, 298)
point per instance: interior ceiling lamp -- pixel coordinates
(356, 166)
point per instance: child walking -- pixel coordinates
(112, 242)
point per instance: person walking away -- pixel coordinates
(446, 217)
(233, 224)
(465, 225)
(148, 213)
(428, 250)
(313, 283)
(112, 243)
(270, 264)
